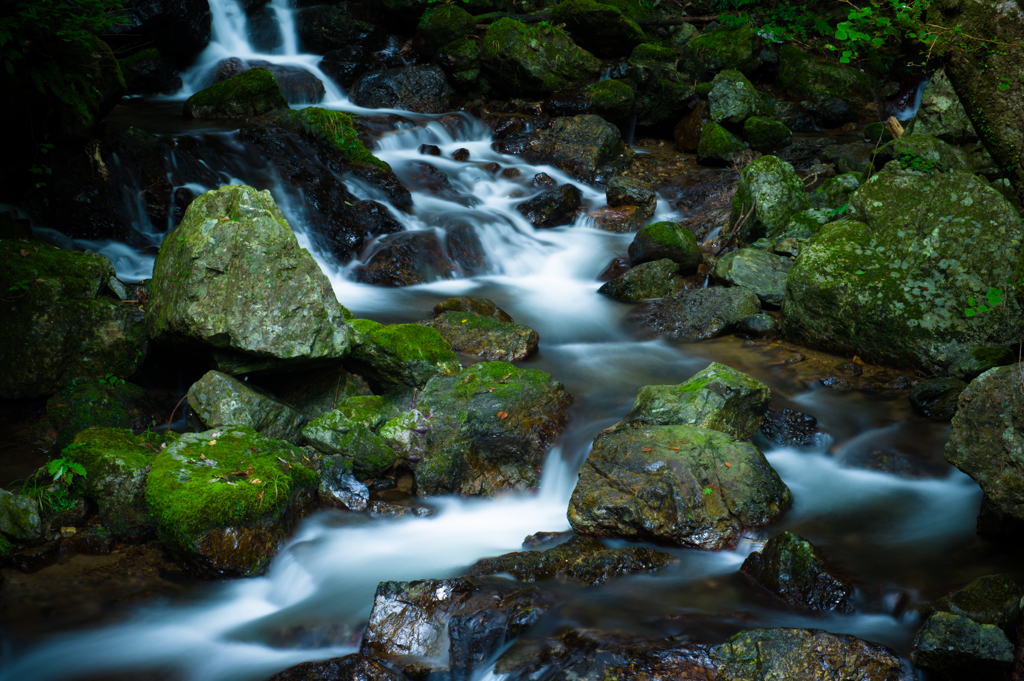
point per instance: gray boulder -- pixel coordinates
(698, 314)
(771, 187)
(733, 98)
(760, 271)
(218, 400)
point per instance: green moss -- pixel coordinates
(718, 145)
(441, 25)
(817, 80)
(703, 89)
(133, 60)
(611, 99)
(877, 131)
(90, 404)
(722, 48)
(993, 356)
(337, 129)
(412, 342)
(653, 52)
(252, 92)
(764, 134)
(101, 449)
(6, 547)
(535, 59)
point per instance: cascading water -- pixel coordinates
(325, 577)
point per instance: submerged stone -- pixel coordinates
(936, 397)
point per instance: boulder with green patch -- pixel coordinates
(600, 28)
(400, 356)
(232, 279)
(533, 60)
(955, 647)
(762, 272)
(717, 146)
(670, 485)
(350, 432)
(771, 192)
(250, 93)
(579, 145)
(666, 240)
(654, 279)
(835, 193)
(818, 80)
(992, 599)
(765, 135)
(733, 98)
(337, 130)
(19, 518)
(100, 403)
(920, 152)
(440, 26)
(224, 500)
(59, 324)
(791, 567)
(612, 100)
(218, 400)
(722, 48)
(485, 337)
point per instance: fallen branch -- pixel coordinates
(736, 230)
(173, 411)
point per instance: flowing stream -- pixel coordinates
(907, 540)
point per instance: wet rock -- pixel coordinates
(322, 29)
(109, 403)
(699, 314)
(766, 135)
(666, 240)
(349, 433)
(581, 558)
(765, 654)
(653, 279)
(149, 73)
(758, 326)
(790, 567)
(339, 488)
(936, 397)
(774, 191)
(670, 485)
(972, 364)
(484, 307)
(180, 29)
(263, 30)
(223, 501)
(919, 320)
(719, 49)
(450, 626)
(250, 93)
(628, 191)
(298, 86)
(941, 114)
(485, 337)
(733, 98)
(400, 356)
(430, 150)
(58, 326)
(689, 128)
(818, 81)
(716, 398)
(440, 26)
(532, 60)
(956, 647)
(760, 271)
(604, 30)
(422, 89)
(616, 268)
(344, 65)
(793, 116)
(317, 391)
(612, 100)
(405, 259)
(618, 220)
(353, 667)
(19, 517)
(580, 146)
(992, 599)
(218, 400)
(232, 279)
(790, 428)
(920, 152)
(461, 63)
(553, 208)
(718, 146)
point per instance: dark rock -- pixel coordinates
(553, 208)
(422, 89)
(466, 250)
(936, 398)
(298, 85)
(647, 280)
(698, 314)
(263, 30)
(544, 180)
(956, 647)
(405, 259)
(110, 403)
(888, 458)
(322, 29)
(485, 337)
(344, 65)
(789, 566)
(481, 306)
(340, 489)
(317, 391)
(687, 132)
(430, 150)
(580, 146)
(180, 29)
(626, 191)
(440, 26)
(616, 268)
(149, 73)
(992, 599)
(353, 667)
(604, 30)
(461, 154)
(790, 428)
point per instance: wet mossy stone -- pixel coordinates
(337, 129)
(772, 188)
(481, 306)
(400, 356)
(583, 559)
(765, 135)
(769, 654)
(702, 90)
(699, 314)
(485, 337)
(817, 80)
(599, 28)
(579, 145)
(117, 464)
(19, 517)
(715, 398)
(720, 49)
(486, 430)
(97, 404)
(631, 191)
(717, 146)
(233, 280)
(654, 279)
(762, 272)
(223, 500)
(733, 99)
(806, 224)
(218, 400)
(956, 647)
(612, 100)
(349, 432)
(670, 485)
(652, 52)
(440, 26)
(534, 60)
(250, 93)
(972, 364)
(936, 397)
(992, 599)
(835, 192)
(920, 152)
(58, 325)
(790, 567)
(460, 60)
(666, 240)
(892, 283)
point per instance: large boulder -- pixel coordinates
(819, 81)
(956, 647)
(897, 284)
(218, 400)
(440, 26)
(422, 89)
(647, 280)
(250, 93)
(579, 145)
(992, 599)
(322, 29)
(773, 190)
(733, 98)
(671, 485)
(224, 500)
(666, 240)
(232, 279)
(789, 566)
(599, 28)
(762, 272)
(717, 146)
(400, 356)
(941, 114)
(298, 86)
(716, 398)
(533, 60)
(60, 325)
(485, 337)
(19, 518)
(766, 135)
(720, 49)
(698, 314)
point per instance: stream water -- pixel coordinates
(906, 540)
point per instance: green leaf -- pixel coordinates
(971, 301)
(983, 308)
(78, 468)
(970, 312)
(859, 272)
(842, 35)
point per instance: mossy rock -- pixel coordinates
(350, 432)
(653, 279)
(19, 518)
(721, 49)
(599, 28)
(733, 99)
(440, 26)
(957, 647)
(218, 401)
(791, 567)
(775, 192)
(460, 60)
(336, 128)
(400, 356)
(718, 146)
(941, 114)
(485, 337)
(579, 145)
(762, 272)
(653, 52)
(612, 100)
(836, 192)
(920, 152)
(806, 224)
(699, 314)
(223, 500)
(992, 599)
(764, 134)
(877, 132)
(250, 93)
(666, 240)
(109, 403)
(59, 327)
(817, 80)
(663, 97)
(534, 60)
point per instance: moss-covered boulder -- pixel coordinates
(337, 129)
(670, 485)
(582, 559)
(762, 272)
(663, 94)
(698, 314)
(400, 356)
(485, 337)
(772, 188)
(602, 29)
(224, 500)
(100, 403)
(920, 152)
(59, 324)
(835, 192)
(733, 98)
(534, 60)
(790, 567)
(579, 145)
(817, 80)
(250, 93)
(717, 146)
(631, 191)
(715, 398)
(422, 89)
(218, 400)
(612, 100)
(941, 114)
(666, 240)
(956, 647)
(460, 60)
(992, 599)
(442, 25)
(19, 518)
(720, 49)
(768, 654)
(653, 279)
(894, 284)
(117, 464)
(483, 431)
(766, 135)
(232, 279)
(484, 307)
(350, 432)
